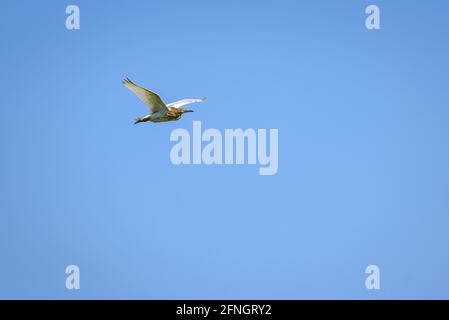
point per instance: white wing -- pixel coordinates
(151, 99)
(180, 103)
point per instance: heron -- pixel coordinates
(159, 111)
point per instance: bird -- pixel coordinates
(159, 111)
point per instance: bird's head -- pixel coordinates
(138, 120)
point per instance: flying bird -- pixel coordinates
(159, 111)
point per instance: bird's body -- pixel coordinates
(171, 115)
(159, 111)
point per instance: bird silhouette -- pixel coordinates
(159, 111)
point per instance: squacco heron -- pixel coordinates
(159, 111)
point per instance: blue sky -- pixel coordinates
(363, 176)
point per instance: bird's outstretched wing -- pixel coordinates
(151, 99)
(180, 103)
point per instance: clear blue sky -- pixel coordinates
(363, 150)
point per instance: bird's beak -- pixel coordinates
(188, 111)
